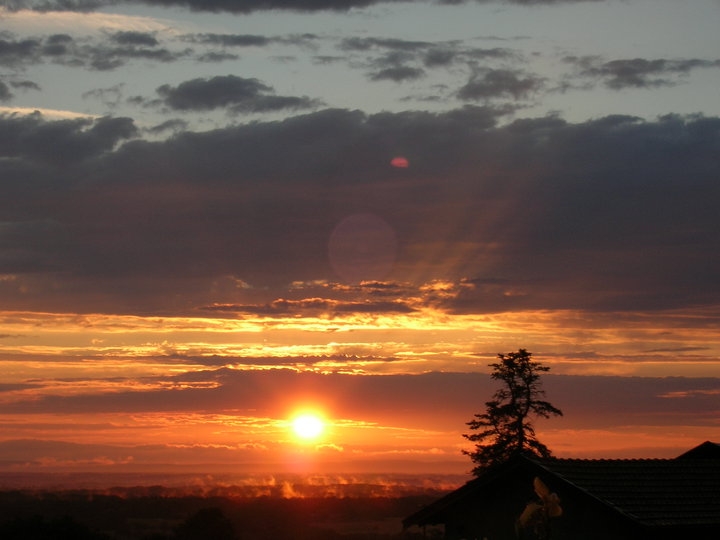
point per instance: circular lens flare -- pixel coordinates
(400, 162)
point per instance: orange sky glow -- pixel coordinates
(211, 221)
(132, 392)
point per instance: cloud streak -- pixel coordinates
(638, 72)
(67, 50)
(235, 93)
(499, 83)
(243, 417)
(248, 6)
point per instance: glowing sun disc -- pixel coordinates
(308, 426)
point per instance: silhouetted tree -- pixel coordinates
(504, 429)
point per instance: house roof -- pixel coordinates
(433, 513)
(652, 492)
(707, 449)
(663, 492)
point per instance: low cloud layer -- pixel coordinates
(247, 6)
(614, 213)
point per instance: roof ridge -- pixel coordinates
(601, 500)
(604, 460)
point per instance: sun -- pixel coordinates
(308, 426)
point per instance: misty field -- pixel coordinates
(154, 513)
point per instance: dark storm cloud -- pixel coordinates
(248, 6)
(16, 52)
(103, 58)
(214, 57)
(442, 53)
(432, 54)
(367, 43)
(637, 72)
(609, 214)
(402, 60)
(396, 59)
(31, 246)
(493, 83)
(175, 125)
(135, 38)
(5, 94)
(57, 5)
(397, 74)
(238, 94)
(58, 45)
(325, 59)
(230, 40)
(110, 53)
(233, 6)
(382, 58)
(111, 97)
(249, 40)
(439, 56)
(447, 54)
(31, 137)
(25, 85)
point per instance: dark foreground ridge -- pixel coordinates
(87, 515)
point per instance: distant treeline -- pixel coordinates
(85, 515)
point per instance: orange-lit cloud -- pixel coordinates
(393, 383)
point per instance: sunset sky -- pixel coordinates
(215, 215)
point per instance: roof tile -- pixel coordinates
(654, 492)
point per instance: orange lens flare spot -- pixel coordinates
(400, 162)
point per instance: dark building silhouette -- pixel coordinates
(619, 499)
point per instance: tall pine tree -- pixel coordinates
(504, 429)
